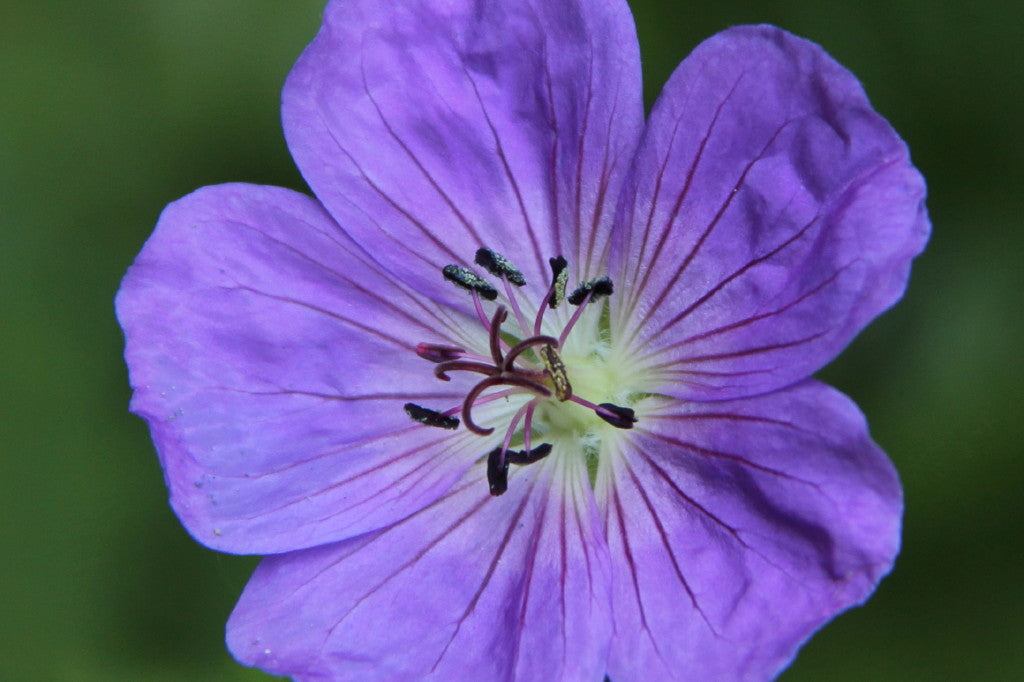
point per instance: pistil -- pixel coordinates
(549, 380)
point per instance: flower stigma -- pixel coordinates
(556, 373)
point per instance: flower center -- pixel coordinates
(530, 364)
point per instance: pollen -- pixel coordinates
(555, 368)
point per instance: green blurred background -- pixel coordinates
(111, 109)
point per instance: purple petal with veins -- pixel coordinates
(455, 475)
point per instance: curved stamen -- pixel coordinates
(467, 405)
(542, 373)
(442, 369)
(436, 352)
(495, 333)
(517, 349)
(528, 423)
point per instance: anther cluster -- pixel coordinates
(504, 368)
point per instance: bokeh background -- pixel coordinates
(109, 109)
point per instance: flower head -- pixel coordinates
(524, 392)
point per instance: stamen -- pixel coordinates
(438, 353)
(602, 286)
(520, 318)
(572, 320)
(499, 266)
(585, 293)
(518, 349)
(479, 310)
(500, 368)
(497, 472)
(513, 424)
(528, 456)
(556, 291)
(528, 423)
(619, 417)
(475, 392)
(469, 280)
(495, 333)
(556, 370)
(559, 278)
(430, 417)
(498, 460)
(441, 371)
(525, 409)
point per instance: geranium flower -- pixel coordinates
(523, 393)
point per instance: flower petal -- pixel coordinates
(431, 128)
(771, 215)
(472, 588)
(272, 360)
(738, 528)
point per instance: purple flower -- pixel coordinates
(523, 393)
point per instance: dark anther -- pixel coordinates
(438, 353)
(431, 417)
(556, 370)
(469, 280)
(497, 472)
(559, 276)
(619, 417)
(602, 286)
(498, 265)
(528, 456)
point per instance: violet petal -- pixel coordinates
(473, 587)
(771, 215)
(432, 128)
(271, 363)
(738, 528)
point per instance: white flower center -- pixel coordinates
(579, 390)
